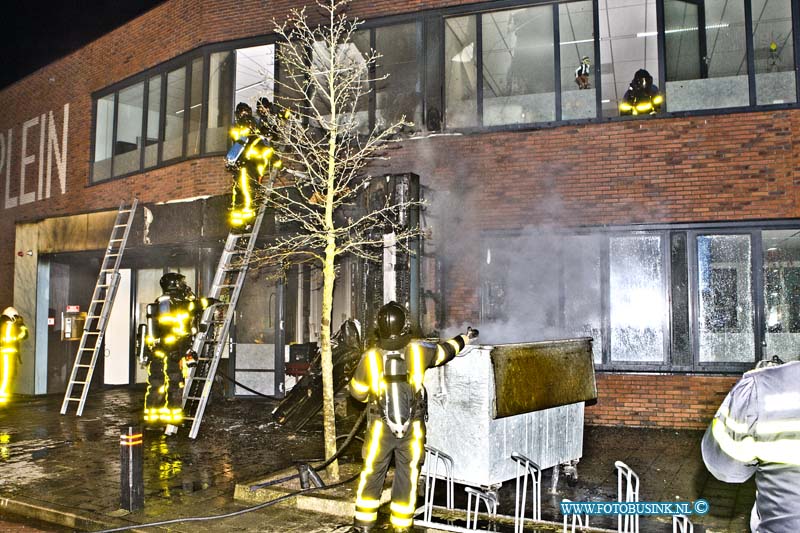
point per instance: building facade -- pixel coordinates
(672, 239)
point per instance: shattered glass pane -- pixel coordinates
(461, 72)
(637, 299)
(781, 249)
(725, 314)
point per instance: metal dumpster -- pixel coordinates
(494, 400)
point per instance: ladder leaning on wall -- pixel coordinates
(99, 310)
(215, 323)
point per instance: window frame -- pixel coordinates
(160, 71)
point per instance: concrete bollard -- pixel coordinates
(131, 482)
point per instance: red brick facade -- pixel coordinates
(726, 167)
(657, 400)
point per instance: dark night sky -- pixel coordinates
(33, 34)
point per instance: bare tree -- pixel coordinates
(328, 152)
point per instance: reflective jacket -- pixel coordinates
(369, 378)
(757, 430)
(11, 332)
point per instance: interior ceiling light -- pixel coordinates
(678, 30)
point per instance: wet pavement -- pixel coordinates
(17, 525)
(70, 465)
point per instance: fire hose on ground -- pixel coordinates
(305, 473)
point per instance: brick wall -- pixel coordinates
(713, 168)
(663, 400)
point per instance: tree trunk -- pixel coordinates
(328, 414)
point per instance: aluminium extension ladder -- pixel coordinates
(209, 344)
(99, 310)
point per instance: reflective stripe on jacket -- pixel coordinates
(757, 431)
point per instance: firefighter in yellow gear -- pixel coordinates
(390, 378)
(251, 157)
(642, 96)
(165, 346)
(756, 431)
(12, 331)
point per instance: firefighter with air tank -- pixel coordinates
(12, 331)
(165, 346)
(252, 155)
(389, 378)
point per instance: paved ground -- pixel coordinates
(70, 466)
(25, 526)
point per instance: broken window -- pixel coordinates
(637, 303)
(399, 94)
(725, 306)
(781, 252)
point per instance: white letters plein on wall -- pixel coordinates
(48, 139)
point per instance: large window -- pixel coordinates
(773, 45)
(127, 147)
(504, 67)
(576, 51)
(220, 86)
(461, 72)
(706, 54)
(628, 43)
(352, 56)
(153, 121)
(174, 114)
(680, 299)
(518, 66)
(398, 86)
(637, 307)
(195, 107)
(781, 249)
(163, 114)
(724, 293)
(254, 74)
(103, 138)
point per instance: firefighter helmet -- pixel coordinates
(11, 313)
(173, 282)
(392, 327)
(642, 79)
(265, 107)
(243, 114)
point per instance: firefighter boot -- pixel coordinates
(357, 528)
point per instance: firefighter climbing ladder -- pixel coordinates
(209, 344)
(99, 310)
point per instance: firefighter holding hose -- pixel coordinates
(390, 379)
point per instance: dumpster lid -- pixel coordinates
(539, 375)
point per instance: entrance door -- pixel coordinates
(147, 290)
(118, 334)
